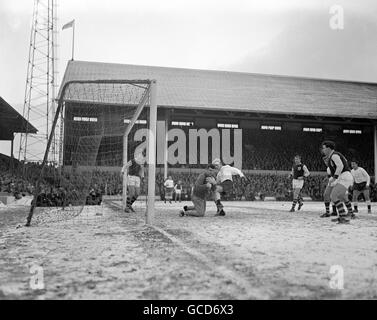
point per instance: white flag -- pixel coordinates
(69, 25)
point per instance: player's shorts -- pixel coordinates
(178, 191)
(297, 184)
(133, 181)
(227, 186)
(346, 179)
(360, 186)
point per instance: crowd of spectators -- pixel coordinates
(20, 180)
(12, 183)
(70, 188)
(258, 187)
(274, 150)
(264, 150)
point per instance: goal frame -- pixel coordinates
(151, 148)
(151, 93)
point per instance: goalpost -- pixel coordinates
(151, 149)
(103, 123)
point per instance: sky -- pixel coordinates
(284, 37)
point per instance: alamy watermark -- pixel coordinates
(336, 21)
(37, 277)
(336, 277)
(192, 146)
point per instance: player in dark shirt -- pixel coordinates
(299, 172)
(327, 193)
(178, 191)
(135, 172)
(202, 190)
(341, 179)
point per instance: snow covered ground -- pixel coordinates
(257, 251)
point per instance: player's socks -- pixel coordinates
(219, 205)
(128, 202)
(350, 212)
(349, 207)
(369, 207)
(340, 208)
(355, 209)
(133, 199)
(293, 205)
(220, 211)
(342, 213)
(334, 211)
(327, 206)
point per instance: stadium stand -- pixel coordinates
(286, 101)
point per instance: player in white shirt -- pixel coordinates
(360, 186)
(169, 188)
(224, 181)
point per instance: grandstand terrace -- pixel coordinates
(11, 122)
(279, 115)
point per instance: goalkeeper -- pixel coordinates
(202, 190)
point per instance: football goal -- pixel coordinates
(107, 148)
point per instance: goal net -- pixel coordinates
(107, 151)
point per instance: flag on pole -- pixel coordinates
(69, 25)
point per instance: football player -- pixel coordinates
(299, 172)
(341, 179)
(360, 186)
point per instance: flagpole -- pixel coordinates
(71, 24)
(73, 40)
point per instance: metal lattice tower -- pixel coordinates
(41, 83)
